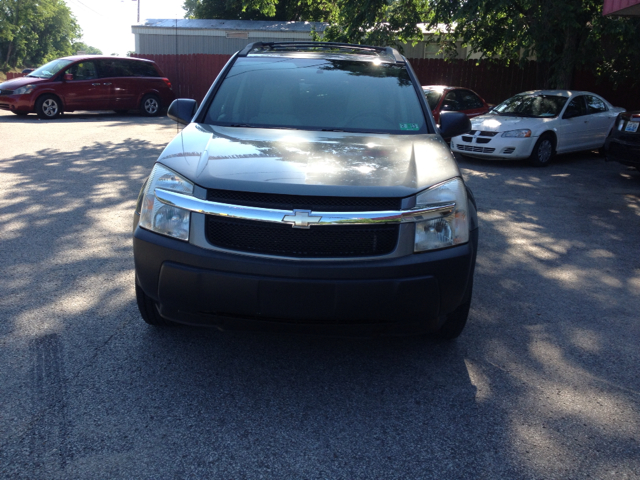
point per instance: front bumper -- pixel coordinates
(405, 294)
(508, 148)
(16, 103)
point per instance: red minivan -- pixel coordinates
(88, 82)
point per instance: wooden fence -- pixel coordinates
(192, 75)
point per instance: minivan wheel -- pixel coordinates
(150, 105)
(543, 151)
(149, 310)
(48, 107)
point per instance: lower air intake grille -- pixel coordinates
(471, 148)
(315, 242)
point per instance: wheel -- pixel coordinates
(149, 310)
(48, 107)
(544, 151)
(121, 112)
(150, 105)
(20, 114)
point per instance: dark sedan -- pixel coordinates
(623, 145)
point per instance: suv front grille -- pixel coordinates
(316, 242)
(303, 202)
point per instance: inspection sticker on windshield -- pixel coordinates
(409, 126)
(632, 127)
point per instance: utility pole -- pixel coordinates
(138, 9)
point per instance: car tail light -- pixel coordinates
(635, 115)
(166, 80)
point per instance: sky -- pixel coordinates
(106, 24)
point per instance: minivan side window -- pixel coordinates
(143, 69)
(83, 71)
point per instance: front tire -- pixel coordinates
(48, 107)
(150, 105)
(544, 151)
(149, 310)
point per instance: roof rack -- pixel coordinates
(387, 51)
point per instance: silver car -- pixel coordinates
(310, 190)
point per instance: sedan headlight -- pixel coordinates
(161, 218)
(443, 230)
(24, 90)
(523, 133)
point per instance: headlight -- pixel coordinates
(443, 230)
(524, 133)
(161, 218)
(24, 90)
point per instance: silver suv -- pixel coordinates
(310, 190)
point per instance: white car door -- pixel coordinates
(600, 121)
(572, 126)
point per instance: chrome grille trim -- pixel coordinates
(197, 205)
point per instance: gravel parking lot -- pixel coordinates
(542, 384)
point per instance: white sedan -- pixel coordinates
(538, 124)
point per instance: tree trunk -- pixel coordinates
(563, 75)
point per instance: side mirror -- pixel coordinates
(68, 76)
(447, 107)
(453, 124)
(182, 110)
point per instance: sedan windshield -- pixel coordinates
(531, 105)
(50, 69)
(318, 94)
(433, 97)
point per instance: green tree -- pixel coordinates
(35, 31)
(561, 35)
(281, 10)
(83, 47)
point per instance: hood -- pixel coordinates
(502, 123)
(301, 162)
(16, 83)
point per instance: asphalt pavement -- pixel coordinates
(542, 384)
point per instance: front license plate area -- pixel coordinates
(631, 127)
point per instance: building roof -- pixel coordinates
(243, 25)
(621, 7)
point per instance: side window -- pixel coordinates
(124, 68)
(106, 68)
(469, 100)
(450, 102)
(595, 105)
(576, 107)
(83, 71)
(142, 69)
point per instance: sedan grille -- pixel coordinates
(317, 242)
(471, 148)
(6, 92)
(4, 106)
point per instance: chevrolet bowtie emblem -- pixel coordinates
(301, 219)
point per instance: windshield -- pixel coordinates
(318, 94)
(433, 97)
(50, 69)
(531, 105)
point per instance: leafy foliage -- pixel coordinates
(561, 34)
(35, 31)
(281, 10)
(83, 47)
